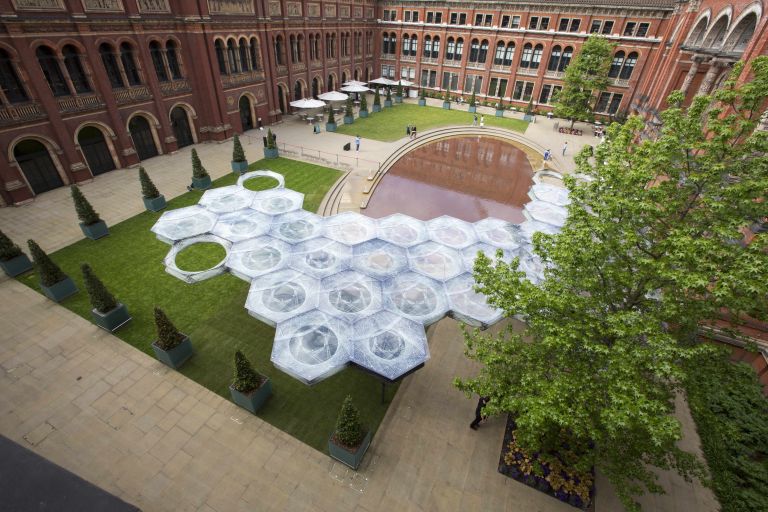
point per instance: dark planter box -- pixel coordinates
(363, 113)
(349, 119)
(254, 400)
(16, 266)
(447, 105)
(377, 108)
(96, 230)
(154, 204)
(111, 320)
(527, 117)
(422, 102)
(351, 459)
(398, 99)
(175, 357)
(387, 103)
(201, 183)
(330, 127)
(499, 112)
(271, 153)
(239, 167)
(61, 290)
(472, 110)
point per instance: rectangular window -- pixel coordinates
(523, 91)
(518, 92)
(608, 27)
(564, 24)
(575, 24)
(533, 23)
(630, 28)
(463, 18)
(515, 22)
(415, 16)
(504, 21)
(544, 25)
(595, 28)
(602, 103)
(478, 19)
(454, 18)
(548, 93)
(613, 107)
(438, 17)
(488, 20)
(642, 29)
(528, 91)
(386, 14)
(428, 77)
(450, 81)
(497, 87)
(492, 86)
(430, 17)
(473, 83)
(407, 16)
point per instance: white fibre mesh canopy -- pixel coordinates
(347, 288)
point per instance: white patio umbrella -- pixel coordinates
(383, 81)
(353, 82)
(355, 88)
(307, 103)
(405, 83)
(333, 96)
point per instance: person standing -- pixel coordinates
(357, 143)
(565, 147)
(413, 131)
(408, 130)
(482, 121)
(474, 121)
(479, 412)
(260, 125)
(547, 154)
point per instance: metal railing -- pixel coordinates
(175, 87)
(20, 113)
(249, 77)
(132, 94)
(80, 103)
(316, 155)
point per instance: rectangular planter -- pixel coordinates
(96, 230)
(527, 117)
(271, 153)
(330, 127)
(111, 320)
(363, 113)
(472, 110)
(254, 400)
(154, 204)
(175, 357)
(16, 266)
(346, 457)
(447, 105)
(239, 167)
(349, 119)
(377, 108)
(398, 99)
(201, 183)
(422, 102)
(387, 103)
(61, 290)
(499, 113)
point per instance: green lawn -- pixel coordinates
(130, 262)
(390, 123)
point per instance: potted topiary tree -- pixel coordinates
(388, 99)
(201, 180)
(154, 201)
(472, 103)
(349, 442)
(330, 126)
(423, 98)
(239, 163)
(171, 347)
(500, 108)
(376, 101)
(12, 260)
(528, 116)
(446, 100)
(349, 114)
(399, 93)
(270, 145)
(107, 313)
(56, 285)
(90, 223)
(363, 106)
(249, 388)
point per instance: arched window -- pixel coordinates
(333, 46)
(75, 69)
(129, 64)
(297, 91)
(406, 44)
(312, 47)
(450, 48)
(509, 54)
(157, 61)
(292, 45)
(243, 51)
(616, 64)
(171, 53)
(52, 71)
(435, 47)
(483, 56)
(525, 59)
(279, 51)
(566, 58)
(414, 45)
(9, 79)
(717, 33)
(392, 43)
(459, 48)
(110, 65)
(234, 65)
(474, 50)
(328, 46)
(498, 57)
(741, 35)
(427, 47)
(255, 54)
(538, 50)
(384, 43)
(220, 57)
(698, 33)
(629, 66)
(554, 58)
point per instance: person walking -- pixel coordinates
(408, 131)
(479, 412)
(547, 155)
(482, 121)
(474, 121)
(565, 147)
(413, 131)
(357, 143)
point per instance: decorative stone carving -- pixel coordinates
(344, 11)
(230, 6)
(152, 6)
(313, 10)
(330, 11)
(274, 9)
(293, 8)
(39, 5)
(103, 5)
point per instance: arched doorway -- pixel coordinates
(95, 150)
(344, 77)
(297, 91)
(331, 85)
(38, 167)
(246, 117)
(181, 130)
(141, 134)
(281, 97)
(315, 87)
(367, 74)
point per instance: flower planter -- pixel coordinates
(363, 113)
(175, 357)
(387, 103)
(254, 400)
(472, 110)
(499, 112)
(377, 108)
(398, 99)
(61, 290)
(349, 119)
(330, 127)
(239, 167)
(96, 230)
(271, 153)
(447, 105)
(154, 204)
(16, 266)
(346, 457)
(111, 320)
(422, 102)
(201, 183)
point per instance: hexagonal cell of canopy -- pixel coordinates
(255, 257)
(452, 232)
(469, 255)
(226, 199)
(388, 345)
(415, 297)
(529, 227)
(350, 295)
(379, 259)
(349, 228)
(280, 295)
(320, 257)
(435, 260)
(195, 276)
(547, 213)
(311, 347)
(277, 201)
(550, 193)
(467, 305)
(242, 225)
(184, 223)
(402, 230)
(533, 267)
(279, 178)
(500, 233)
(297, 226)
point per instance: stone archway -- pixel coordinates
(246, 114)
(143, 139)
(95, 150)
(37, 165)
(181, 129)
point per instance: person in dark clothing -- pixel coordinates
(408, 131)
(479, 412)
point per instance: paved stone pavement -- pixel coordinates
(115, 416)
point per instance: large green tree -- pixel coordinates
(652, 247)
(584, 78)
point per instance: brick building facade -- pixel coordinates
(93, 85)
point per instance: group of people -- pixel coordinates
(410, 131)
(482, 121)
(548, 153)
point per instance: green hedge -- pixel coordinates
(731, 415)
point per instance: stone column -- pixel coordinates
(691, 74)
(709, 78)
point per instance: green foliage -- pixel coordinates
(473, 100)
(447, 95)
(246, 378)
(423, 93)
(529, 108)
(8, 250)
(271, 142)
(85, 211)
(731, 417)
(238, 155)
(584, 78)
(168, 336)
(389, 94)
(331, 116)
(349, 112)
(101, 300)
(148, 188)
(377, 98)
(399, 92)
(647, 253)
(364, 102)
(198, 171)
(349, 430)
(49, 272)
(500, 104)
